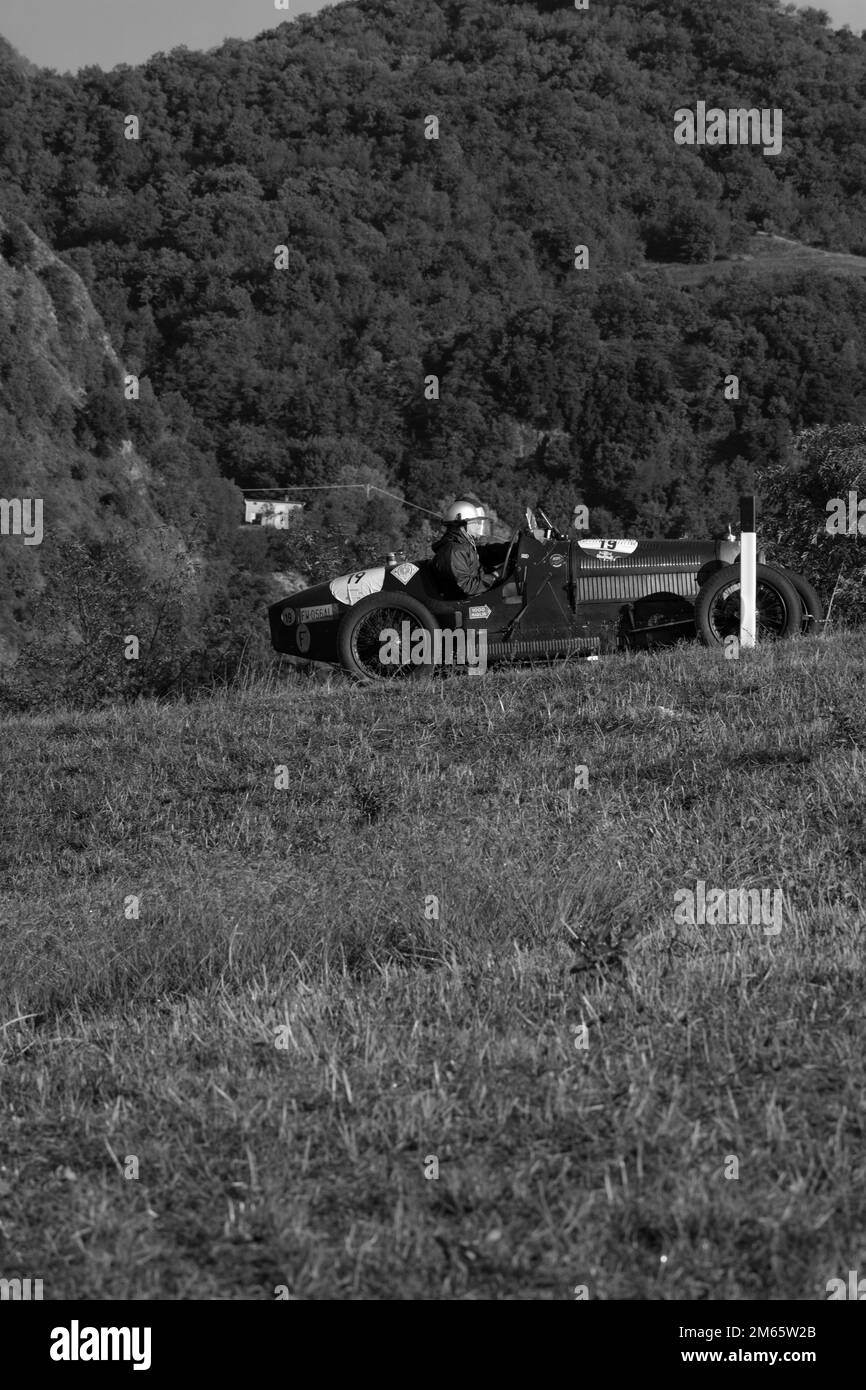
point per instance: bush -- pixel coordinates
(97, 595)
(690, 233)
(60, 284)
(829, 463)
(101, 425)
(15, 243)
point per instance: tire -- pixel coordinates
(813, 609)
(717, 606)
(359, 636)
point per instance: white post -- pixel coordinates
(748, 573)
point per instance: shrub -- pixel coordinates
(97, 594)
(829, 463)
(15, 243)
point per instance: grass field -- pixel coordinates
(250, 1085)
(767, 254)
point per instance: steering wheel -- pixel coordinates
(554, 531)
(503, 573)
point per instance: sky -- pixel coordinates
(69, 34)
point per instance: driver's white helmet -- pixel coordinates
(467, 510)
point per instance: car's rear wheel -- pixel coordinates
(813, 608)
(374, 644)
(717, 606)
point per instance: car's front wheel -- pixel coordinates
(383, 638)
(717, 606)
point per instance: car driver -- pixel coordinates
(457, 561)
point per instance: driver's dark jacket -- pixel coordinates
(458, 565)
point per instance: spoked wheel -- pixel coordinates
(381, 638)
(717, 607)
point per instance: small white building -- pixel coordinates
(262, 512)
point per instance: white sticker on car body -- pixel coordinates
(302, 638)
(609, 550)
(350, 588)
(319, 613)
(405, 571)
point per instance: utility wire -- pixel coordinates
(337, 487)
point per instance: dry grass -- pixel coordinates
(285, 1042)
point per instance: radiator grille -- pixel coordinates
(607, 588)
(544, 646)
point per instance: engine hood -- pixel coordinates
(607, 554)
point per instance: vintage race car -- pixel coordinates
(556, 596)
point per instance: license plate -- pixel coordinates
(318, 614)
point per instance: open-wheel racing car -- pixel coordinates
(556, 596)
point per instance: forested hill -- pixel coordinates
(411, 257)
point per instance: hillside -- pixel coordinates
(137, 535)
(242, 1022)
(62, 425)
(767, 254)
(452, 257)
(425, 326)
(11, 61)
